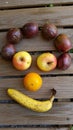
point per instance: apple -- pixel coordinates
(8, 51)
(14, 35)
(64, 61)
(46, 61)
(62, 43)
(22, 60)
(30, 30)
(49, 31)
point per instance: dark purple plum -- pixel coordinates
(49, 31)
(30, 30)
(64, 61)
(8, 51)
(14, 35)
(62, 43)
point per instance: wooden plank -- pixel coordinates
(61, 16)
(7, 69)
(27, 44)
(62, 84)
(22, 3)
(51, 128)
(61, 113)
(14, 114)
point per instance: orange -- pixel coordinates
(32, 81)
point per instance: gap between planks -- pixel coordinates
(37, 127)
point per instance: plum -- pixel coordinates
(49, 31)
(64, 61)
(14, 35)
(8, 51)
(30, 30)
(62, 43)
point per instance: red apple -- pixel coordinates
(22, 60)
(46, 61)
(64, 61)
(30, 30)
(63, 43)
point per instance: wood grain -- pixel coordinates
(61, 16)
(61, 113)
(22, 3)
(62, 84)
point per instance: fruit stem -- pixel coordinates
(49, 63)
(53, 94)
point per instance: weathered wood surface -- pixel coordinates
(63, 85)
(61, 16)
(22, 3)
(61, 113)
(15, 13)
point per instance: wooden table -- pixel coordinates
(15, 13)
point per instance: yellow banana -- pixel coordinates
(35, 105)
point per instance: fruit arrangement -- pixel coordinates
(45, 62)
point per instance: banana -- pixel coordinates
(35, 105)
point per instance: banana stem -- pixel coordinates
(53, 95)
